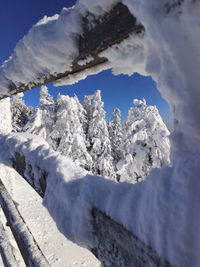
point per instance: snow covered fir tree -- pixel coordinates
(115, 134)
(43, 118)
(123, 151)
(20, 112)
(67, 135)
(145, 142)
(99, 145)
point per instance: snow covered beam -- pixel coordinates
(28, 247)
(69, 50)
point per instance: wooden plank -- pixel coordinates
(6, 250)
(110, 29)
(28, 247)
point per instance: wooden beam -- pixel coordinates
(6, 250)
(111, 28)
(27, 245)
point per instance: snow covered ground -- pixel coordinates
(59, 251)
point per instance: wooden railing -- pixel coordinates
(110, 29)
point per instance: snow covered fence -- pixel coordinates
(79, 202)
(67, 45)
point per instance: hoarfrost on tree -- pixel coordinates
(68, 131)
(43, 119)
(115, 134)
(146, 143)
(98, 137)
(20, 112)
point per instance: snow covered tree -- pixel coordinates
(43, 118)
(146, 143)
(20, 112)
(98, 137)
(87, 106)
(115, 133)
(68, 131)
(81, 111)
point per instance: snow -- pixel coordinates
(120, 59)
(171, 194)
(96, 8)
(47, 49)
(57, 249)
(98, 137)
(76, 77)
(115, 134)
(68, 134)
(43, 117)
(145, 142)
(5, 121)
(35, 54)
(71, 193)
(20, 113)
(163, 211)
(88, 59)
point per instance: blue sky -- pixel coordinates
(17, 17)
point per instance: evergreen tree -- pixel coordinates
(115, 133)
(146, 143)
(43, 118)
(68, 131)
(98, 138)
(20, 112)
(81, 111)
(87, 106)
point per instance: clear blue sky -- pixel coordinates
(17, 17)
